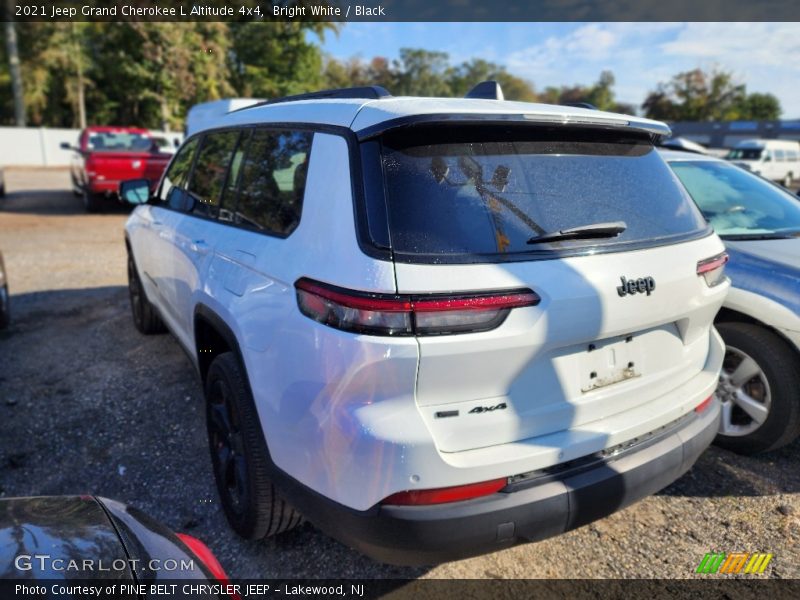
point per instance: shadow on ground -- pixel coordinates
(53, 202)
(89, 405)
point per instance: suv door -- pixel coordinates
(195, 235)
(160, 221)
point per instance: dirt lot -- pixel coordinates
(89, 405)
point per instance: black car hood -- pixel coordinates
(54, 537)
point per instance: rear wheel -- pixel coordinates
(5, 311)
(145, 317)
(759, 389)
(251, 503)
(92, 202)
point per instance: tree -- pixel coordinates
(600, 95)
(275, 59)
(761, 107)
(462, 78)
(13, 67)
(421, 73)
(716, 96)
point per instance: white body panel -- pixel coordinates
(538, 362)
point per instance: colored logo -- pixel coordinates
(753, 563)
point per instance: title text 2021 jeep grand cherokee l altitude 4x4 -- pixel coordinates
(434, 327)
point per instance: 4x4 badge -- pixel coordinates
(482, 409)
(636, 286)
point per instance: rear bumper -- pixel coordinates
(105, 186)
(529, 510)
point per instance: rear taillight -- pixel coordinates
(204, 554)
(448, 494)
(386, 314)
(713, 269)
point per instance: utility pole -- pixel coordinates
(13, 67)
(78, 53)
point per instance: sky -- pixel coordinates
(764, 56)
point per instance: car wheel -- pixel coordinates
(93, 203)
(759, 389)
(787, 181)
(145, 316)
(5, 310)
(251, 503)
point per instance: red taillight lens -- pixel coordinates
(204, 554)
(448, 494)
(704, 404)
(384, 314)
(713, 269)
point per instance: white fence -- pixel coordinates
(41, 146)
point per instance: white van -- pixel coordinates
(778, 160)
(200, 116)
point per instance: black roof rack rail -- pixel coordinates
(486, 90)
(367, 92)
(580, 105)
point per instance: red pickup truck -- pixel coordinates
(107, 155)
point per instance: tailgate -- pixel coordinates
(585, 353)
(119, 166)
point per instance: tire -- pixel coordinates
(5, 309)
(93, 203)
(787, 180)
(773, 383)
(252, 505)
(145, 316)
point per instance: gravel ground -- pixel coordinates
(87, 405)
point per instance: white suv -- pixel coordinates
(434, 327)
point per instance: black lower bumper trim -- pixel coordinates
(419, 535)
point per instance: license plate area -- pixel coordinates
(610, 361)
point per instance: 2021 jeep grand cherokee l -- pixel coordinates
(433, 327)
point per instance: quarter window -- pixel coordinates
(273, 180)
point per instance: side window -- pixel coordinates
(211, 169)
(228, 202)
(171, 191)
(273, 180)
(780, 155)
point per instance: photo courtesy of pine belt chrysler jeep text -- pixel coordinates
(433, 327)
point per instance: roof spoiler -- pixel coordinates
(486, 90)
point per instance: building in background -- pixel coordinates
(726, 134)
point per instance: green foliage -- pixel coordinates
(716, 96)
(600, 95)
(423, 73)
(149, 74)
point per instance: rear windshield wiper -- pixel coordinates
(583, 232)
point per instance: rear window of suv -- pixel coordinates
(467, 191)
